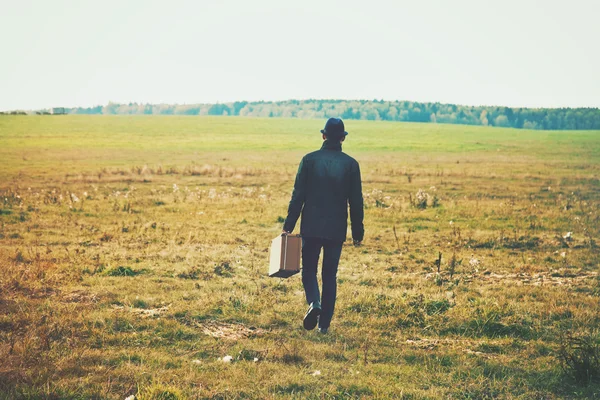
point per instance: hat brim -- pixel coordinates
(325, 133)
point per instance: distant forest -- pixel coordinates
(375, 110)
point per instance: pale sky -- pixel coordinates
(523, 53)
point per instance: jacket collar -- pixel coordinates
(331, 145)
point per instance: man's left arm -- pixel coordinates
(298, 198)
(356, 205)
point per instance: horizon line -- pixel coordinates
(304, 100)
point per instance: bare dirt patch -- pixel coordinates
(80, 296)
(551, 278)
(143, 312)
(229, 331)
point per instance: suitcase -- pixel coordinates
(285, 256)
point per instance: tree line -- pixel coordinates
(375, 110)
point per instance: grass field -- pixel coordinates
(134, 250)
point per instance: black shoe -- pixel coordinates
(323, 331)
(312, 316)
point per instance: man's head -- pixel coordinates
(334, 130)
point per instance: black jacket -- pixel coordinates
(327, 182)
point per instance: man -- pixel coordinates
(326, 183)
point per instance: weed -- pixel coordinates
(160, 392)
(106, 237)
(580, 356)
(194, 273)
(421, 199)
(291, 388)
(354, 391)
(223, 269)
(122, 271)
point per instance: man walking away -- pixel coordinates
(327, 181)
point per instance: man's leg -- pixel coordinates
(311, 248)
(331, 258)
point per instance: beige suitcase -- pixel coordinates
(285, 256)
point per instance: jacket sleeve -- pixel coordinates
(298, 198)
(356, 204)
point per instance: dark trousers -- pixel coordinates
(332, 250)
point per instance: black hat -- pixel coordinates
(334, 128)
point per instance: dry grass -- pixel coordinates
(138, 277)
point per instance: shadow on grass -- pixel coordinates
(490, 379)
